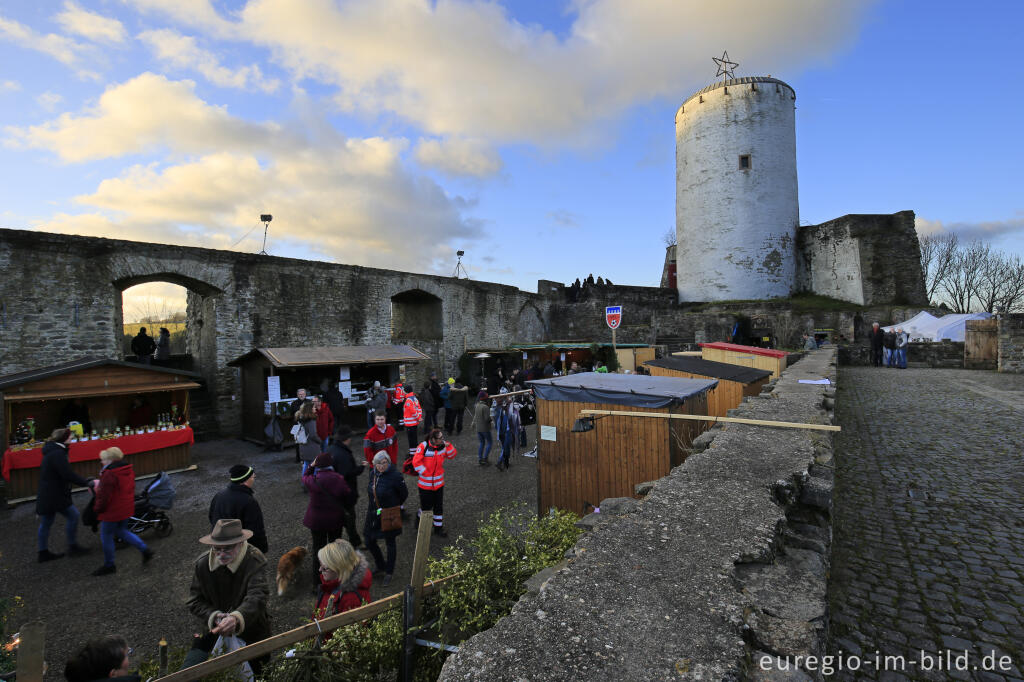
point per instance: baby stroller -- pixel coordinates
(151, 507)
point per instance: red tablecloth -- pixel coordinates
(86, 450)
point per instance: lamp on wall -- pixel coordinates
(584, 424)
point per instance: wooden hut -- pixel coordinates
(270, 378)
(578, 470)
(746, 356)
(734, 381)
(104, 396)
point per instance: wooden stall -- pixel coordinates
(104, 396)
(355, 368)
(578, 470)
(734, 381)
(745, 356)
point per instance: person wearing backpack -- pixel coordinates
(329, 496)
(889, 348)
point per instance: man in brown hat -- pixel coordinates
(229, 586)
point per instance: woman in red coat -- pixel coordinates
(345, 579)
(115, 503)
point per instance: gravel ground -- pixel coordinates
(148, 603)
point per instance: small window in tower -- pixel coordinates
(744, 161)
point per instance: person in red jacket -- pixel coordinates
(115, 503)
(395, 401)
(345, 580)
(429, 465)
(412, 415)
(324, 422)
(381, 436)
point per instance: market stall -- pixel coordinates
(270, 378)
(576, 470)
(734, 382)
(745, 356)
(141, 409)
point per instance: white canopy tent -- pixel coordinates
(927, 327)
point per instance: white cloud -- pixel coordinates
(49, 100)
(65, 50)
(331, 197)
(985, 229)
(469, 69)
(459, 157)
(143, 114)
(90, 25)
(9, 86)
(182, 52)
(195, 13)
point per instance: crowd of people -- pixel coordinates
(230, 589)
(888, 348)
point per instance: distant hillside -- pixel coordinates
(153, 328)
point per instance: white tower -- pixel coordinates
(736, 191)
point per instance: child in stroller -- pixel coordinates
(150, 508)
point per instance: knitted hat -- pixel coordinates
(482, 395)
(240, 473)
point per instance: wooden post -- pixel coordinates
(30, 652)
(727, 420)
(419, 562)
(163, 657)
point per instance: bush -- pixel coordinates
(510, 547)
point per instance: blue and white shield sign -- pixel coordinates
(613, 316)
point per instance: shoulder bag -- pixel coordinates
(390, 517)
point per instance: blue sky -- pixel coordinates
(537, 136)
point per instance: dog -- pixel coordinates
(287, 566)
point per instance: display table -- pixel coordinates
(149, 453)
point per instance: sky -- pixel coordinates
(535, 135)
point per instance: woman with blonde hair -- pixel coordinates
(345, 579)
(115, 503)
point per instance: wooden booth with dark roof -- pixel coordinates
(746, 356)
(355, 368)
(578, 470)
(734, 381)
(141, 409)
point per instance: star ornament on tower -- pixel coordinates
(725, 67)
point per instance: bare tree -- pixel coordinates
(961, 286)
(669, 238)
(938, 252)
(1011, 296)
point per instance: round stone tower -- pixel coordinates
(736, 191)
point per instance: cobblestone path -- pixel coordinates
(928, 550)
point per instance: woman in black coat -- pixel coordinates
(386, 488)
(54, 496)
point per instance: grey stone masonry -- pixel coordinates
(928, 557)
(720, 567)
(1011, 343)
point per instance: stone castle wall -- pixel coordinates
(863, 259)
(1011, 343)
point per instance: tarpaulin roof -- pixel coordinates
(634, 390)
(25, 377)
(930, 328)
(709, 368)
(334, 355)
(752, 350)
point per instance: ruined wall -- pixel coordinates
(60, 298)
(863, 259)
(1011, 343)
(723, 561)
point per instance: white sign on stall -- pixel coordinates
(346, 389)
(344, 375)
(274, 388)
(548, 433)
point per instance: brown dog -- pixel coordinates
(287, 566)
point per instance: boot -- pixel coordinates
(105, 570)
(440, 531)
(147, 554)
(47, 555)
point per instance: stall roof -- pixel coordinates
(634, 390)
(334, 355)
(573, 345)
(31, 375)
(753, 350)
(709, 368)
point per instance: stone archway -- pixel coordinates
(530, 327)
